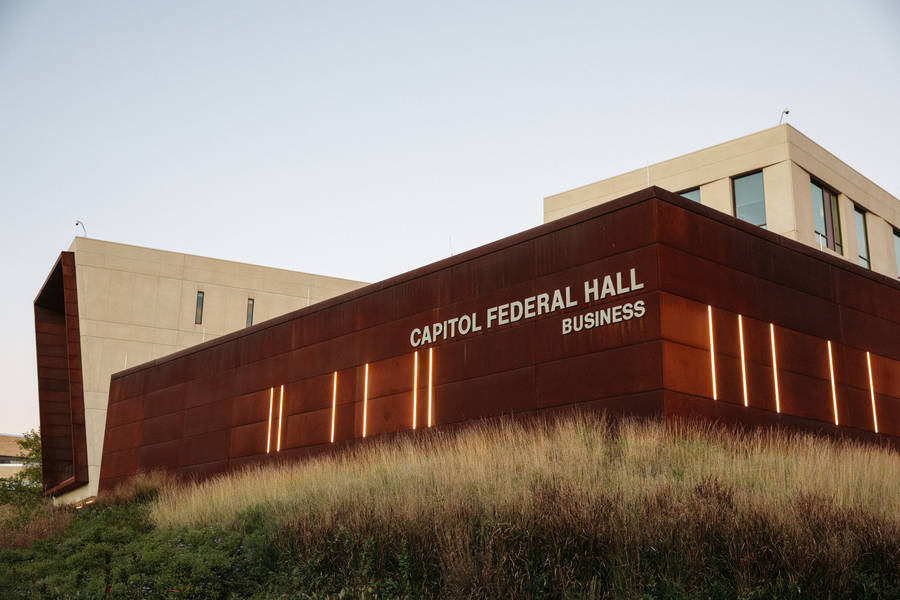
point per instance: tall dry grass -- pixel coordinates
(496, 468)
(21, 526)
(570, 507)
(565, 507)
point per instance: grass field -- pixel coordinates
(570, 507)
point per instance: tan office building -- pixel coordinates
(778, 179)
(10, 463)
(134, 305)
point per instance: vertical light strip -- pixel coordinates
(775, 368)
(365, 399)
(430, 360)
(743, 360)
(280, 412)
(872, 392)
(833, 391)
(415, 385)
(269, 431)
(712, 352)
(333, 404)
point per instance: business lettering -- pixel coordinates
(595, 290)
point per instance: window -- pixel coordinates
(198, 315)
(862, 239)
(750, 199)
(826, 217)
(897, 251)
(693, 194)
(249, 312)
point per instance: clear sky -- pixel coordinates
(365, 139)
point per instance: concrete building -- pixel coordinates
(10, 463)
(118, 306)
(778, 179)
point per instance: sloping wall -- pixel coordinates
(61, 399)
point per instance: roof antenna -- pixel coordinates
(784, 113)
(79, 223)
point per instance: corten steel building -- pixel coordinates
(778, 179)
(651, 304)
(108, 306)
(129, 305)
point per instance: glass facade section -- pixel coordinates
(862, 239)
(750, 199)
(198, 315)
(826, 217)
(693, 194)
(249, 312)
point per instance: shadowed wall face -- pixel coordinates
(61, 399)
(632, 306)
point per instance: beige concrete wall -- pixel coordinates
(841, 177)
(9, 470)
(788, 160)
(778, 186)
(718, 194)
(9, 446)
(881, 245)
(137, 304)
(715, 164)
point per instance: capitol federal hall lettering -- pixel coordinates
(649, 305)
(535, 306)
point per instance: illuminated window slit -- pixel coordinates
(833, 390)
(280, 412)
(430, 361)
(269, 431)
(774, 368)
(872, 392)
(712, 353)
(365, 399)
(743, 360)
(333, 404)
(415, 386)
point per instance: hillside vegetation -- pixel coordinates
(570, 507)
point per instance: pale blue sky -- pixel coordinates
(355, 139)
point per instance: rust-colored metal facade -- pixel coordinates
(60, 394)
(346, 368)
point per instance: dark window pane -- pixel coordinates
(750, 199)
(818, 206)
(836, 225)
(198, 315)
(862, 240)
(249, 312)
(897, 251)
(693, 194)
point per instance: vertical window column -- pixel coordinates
(750, 198)
(249, 311)
(862, 237)
(198, 314)
(897, 251)
(826, 218)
